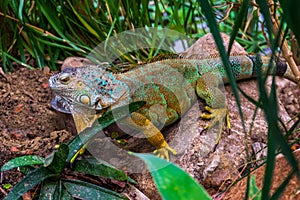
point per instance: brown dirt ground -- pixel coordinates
(29, 126)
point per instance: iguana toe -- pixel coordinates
(79, 152)
(163, 152)
(216, 115)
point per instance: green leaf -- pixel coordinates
(16, 60)
(22, 161)
(26, 169)
(65, 195)
(278, 193)
(171, 181)
(85, 23)
(57, 161)
(99, 168)
(84, 190)
(207, 11)
(104, 121)
(31, 179)
(7, 186)
(265, 10)
(48, 190)
(238, 23)
(54, 190)
(49, 11)
(291, 15)
(254, 191)
(20, 13)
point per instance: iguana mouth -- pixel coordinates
(61, 105)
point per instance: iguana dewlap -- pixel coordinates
(169, 87)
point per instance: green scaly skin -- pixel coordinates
(169, 87)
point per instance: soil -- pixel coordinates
(29, 126)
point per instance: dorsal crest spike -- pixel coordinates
(104, 65)
(212, 56)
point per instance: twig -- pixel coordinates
(29, 95)
(5, 193)
(287, 54)
(21, 29)
(8, 80)
(3, 74)
(123, 13)
(29, 25)
(227, 12)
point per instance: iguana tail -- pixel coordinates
(282, 68)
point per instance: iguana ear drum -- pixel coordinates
(84, 99)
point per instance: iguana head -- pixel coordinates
(90, 87)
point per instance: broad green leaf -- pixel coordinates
(171, 181)
(104, 121)
(54, 190)
(32, 179)
(49, 190)
(22, 161)
(254, 191)
(65, 195)
(99, 168)
(84, 190)
(26, 169)
(57, 161)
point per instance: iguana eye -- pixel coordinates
(64, 79)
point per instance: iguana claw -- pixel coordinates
(79, 152)
(217, 115)
(164, 151)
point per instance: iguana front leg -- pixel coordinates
(208, 89)
(217, 116)
(152, 133)
(83, 118)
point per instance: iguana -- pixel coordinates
(172, 85)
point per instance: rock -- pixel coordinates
(215, 169)
(76, 62)
(206, 47)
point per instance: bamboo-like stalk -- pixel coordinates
(286, 52)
